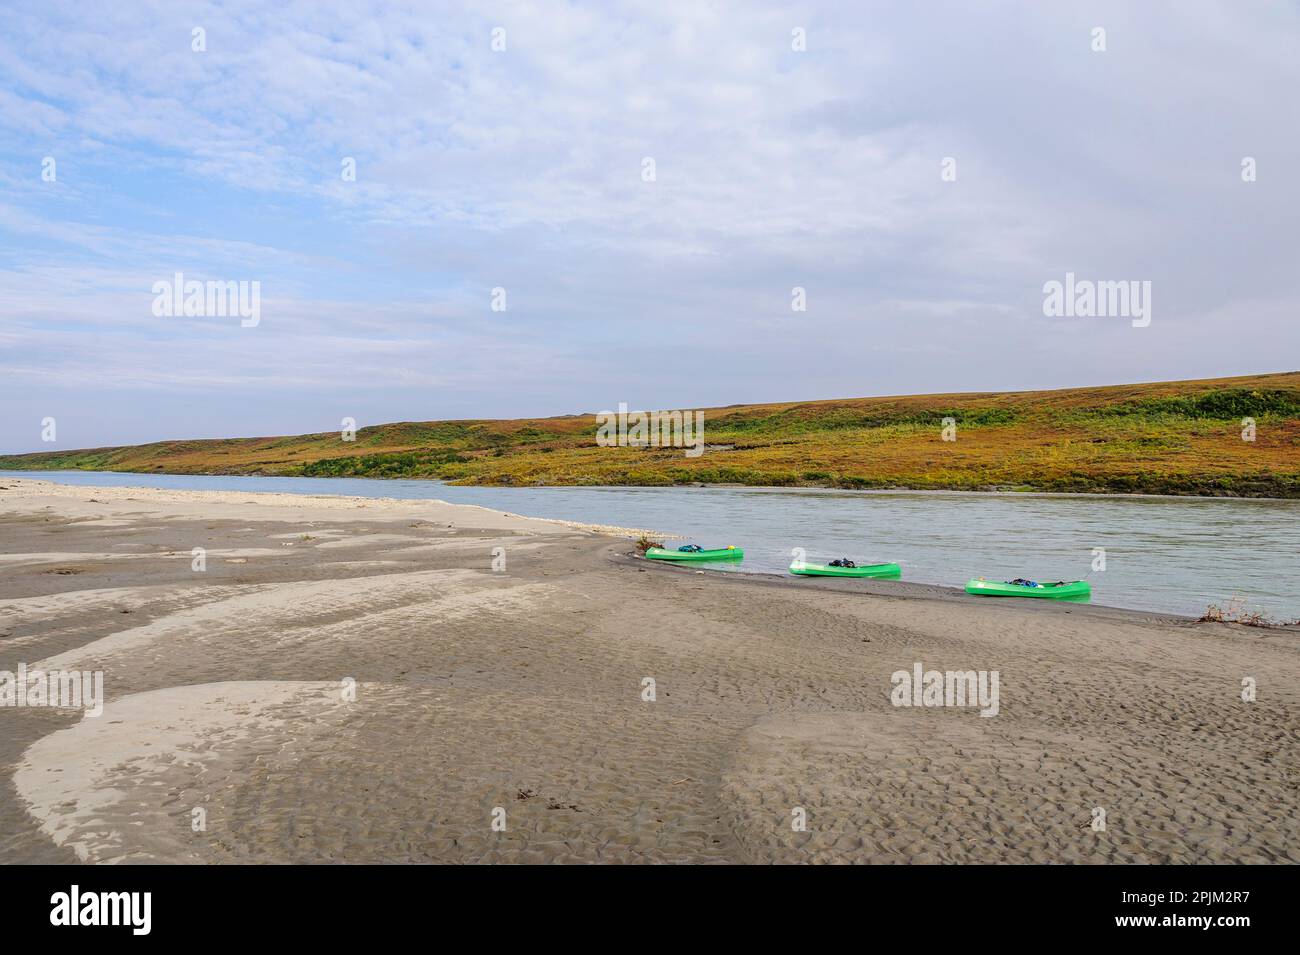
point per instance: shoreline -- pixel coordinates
(892, 589)
(522, 688)
(775, 488)
(914, 588)
(917, 591)
(286, 498)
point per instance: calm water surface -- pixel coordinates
(1168, 554)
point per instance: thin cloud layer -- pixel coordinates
(524, 169)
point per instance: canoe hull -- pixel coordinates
(1073, 590)
(722, 553)
(883, 571)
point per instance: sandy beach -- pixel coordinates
(350, 680)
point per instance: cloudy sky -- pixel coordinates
(523, 169)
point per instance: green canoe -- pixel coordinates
(720, 553)
(826, 570)
(1073, 589)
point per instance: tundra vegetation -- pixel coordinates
(1180, 437)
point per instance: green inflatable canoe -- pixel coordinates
(1073, 589)
(826, 570)
(720, 553)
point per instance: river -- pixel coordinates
(1176, 555)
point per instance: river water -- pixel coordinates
(1176, 555)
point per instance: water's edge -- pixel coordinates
(914, 590)
(703, 485)
(1164, 554)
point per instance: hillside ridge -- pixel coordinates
(1175, 437)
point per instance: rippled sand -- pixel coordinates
(350, 680)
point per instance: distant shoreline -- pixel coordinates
(35, 474)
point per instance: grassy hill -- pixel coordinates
(1180, 437)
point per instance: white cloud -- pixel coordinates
(523, 169)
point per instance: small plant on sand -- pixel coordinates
(645, 543)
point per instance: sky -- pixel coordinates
(919, 170)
